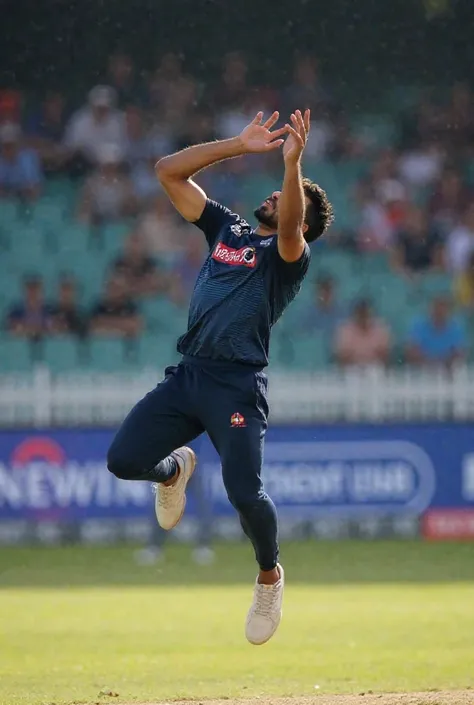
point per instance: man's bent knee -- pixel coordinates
(120, 465)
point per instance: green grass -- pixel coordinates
(358, 616)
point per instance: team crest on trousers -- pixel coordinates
(237, 420)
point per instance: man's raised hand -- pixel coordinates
(297, 136)
(258, 137)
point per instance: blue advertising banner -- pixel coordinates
(349, 471)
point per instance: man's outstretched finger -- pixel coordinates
(301, 125)
(258, 118)
(273, 145)
(271, 120)
(307, 120)
(279, 132)
(294, 133)
(297, 125)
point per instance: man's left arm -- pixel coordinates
(292, 206)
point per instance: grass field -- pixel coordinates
(357, 617)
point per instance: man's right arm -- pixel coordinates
(176, 171)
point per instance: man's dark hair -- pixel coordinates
(320, 214)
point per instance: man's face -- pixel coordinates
(267, 212)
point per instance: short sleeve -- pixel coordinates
(292, 272)
(213, 218)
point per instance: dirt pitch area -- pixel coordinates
(454, 697)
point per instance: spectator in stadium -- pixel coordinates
(437, 339)
(165, 79)
(464, 285)
(417, 246)
(459, 120)
(11, 103)
(232, 89)
(20, 169)
(94, 125)
(121, 77)
(137, 142)
(306, 87)
(325, 313)
(460, 242)
(374, 228)
(66, 315)
(421, 166)
(45, 131)
(448, 202)
(115, 314)
(108, 193)
(31, 317)
(138, 269)
(362, 339)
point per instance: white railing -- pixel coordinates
(42, 399)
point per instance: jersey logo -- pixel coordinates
(237, 421)
(245, 256)
(266, 243)
(238, 229)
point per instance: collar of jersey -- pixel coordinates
(261, 238)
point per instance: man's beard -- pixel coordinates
(270, 220)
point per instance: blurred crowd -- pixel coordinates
(414, 201)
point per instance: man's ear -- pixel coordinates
(305, 227)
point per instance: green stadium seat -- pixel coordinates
(435, 284)
(47, 212)
(113, 237)
(311, 352)
(16, 355)
(106, 354)
(62, 354)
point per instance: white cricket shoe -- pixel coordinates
(170, 501)
(265, 613)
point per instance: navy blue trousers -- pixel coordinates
(226, 400)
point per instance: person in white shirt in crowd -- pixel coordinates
(108, 192)
(422, 165)
(96, 124)
(460, 243)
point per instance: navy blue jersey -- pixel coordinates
(241, 291)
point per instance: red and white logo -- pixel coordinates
(245, 256)
(237, 420)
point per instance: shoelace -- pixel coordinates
(266, 601)
(166, 498)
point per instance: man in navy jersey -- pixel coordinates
(248, 279)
